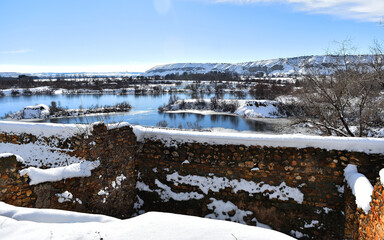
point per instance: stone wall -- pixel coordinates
(371, 225)
(193, 177)
(14, 188)
(296, 191)
(110, 190)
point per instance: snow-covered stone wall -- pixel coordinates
(85, 164)
(257, 180)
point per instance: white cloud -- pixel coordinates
(162, 6)
(18, 51)
(364, 10)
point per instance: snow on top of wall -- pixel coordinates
(50, 215)
(360, 185)
(42, 129)
(38, 155)
(5, 155)
(38, 175)
(381, 174)
(172, 137)
(59, 224)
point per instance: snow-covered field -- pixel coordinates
(25, 223)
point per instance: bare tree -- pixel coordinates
(343, 99)
(377, 63)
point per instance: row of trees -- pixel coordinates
(210, 76)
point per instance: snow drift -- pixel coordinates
(26, 223)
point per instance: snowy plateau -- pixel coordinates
(272, 67)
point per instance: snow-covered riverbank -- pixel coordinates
(234, 107)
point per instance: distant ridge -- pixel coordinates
(272, 67)
(67, 74)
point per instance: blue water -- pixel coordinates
(144, 111)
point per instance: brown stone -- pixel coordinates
(249, 164)
(312, 179)
(28, 193)
(241, 164)
(332, 165)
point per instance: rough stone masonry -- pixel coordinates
(300, 192)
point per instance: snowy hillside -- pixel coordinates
(272, 67)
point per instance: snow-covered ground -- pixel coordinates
(25, 223)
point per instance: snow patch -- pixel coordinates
(215, 184)
(221, 211)
(327, 210)
(117, 183)
(141, 186)
(312, 224)
(103, 192)
(64, 197)
(258, 109)
(298, 234)
(139, 203)
(166, 193)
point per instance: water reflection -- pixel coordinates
(144, 111)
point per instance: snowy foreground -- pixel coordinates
(26, 223)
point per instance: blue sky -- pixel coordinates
(134, 35)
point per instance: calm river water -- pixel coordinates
(144, 111)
